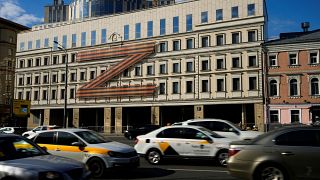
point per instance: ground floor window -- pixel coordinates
(295, 116)
(274, 116)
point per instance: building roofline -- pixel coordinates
(16, 25)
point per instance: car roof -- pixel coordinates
(4, 135)
(206, 119)
(67, 130)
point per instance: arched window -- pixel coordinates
(273, 88)
(314, 86)
(293, 87)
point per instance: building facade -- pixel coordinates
(292, 82)
(8, 45)
(58, 12)
(197, 59)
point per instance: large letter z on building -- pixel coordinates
(130, 55)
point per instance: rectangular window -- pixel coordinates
(205, 85)
(74, 40)
(73, 77)
(252, 61)
(62, 93)
(163, 47)
(46, 42)
(92, 74)
(73, 57)
(205, 41)
(236, 62)
(29, 63)
(21, 64)
(205, 65)
(190, 44)
(220, 64)
(20, 96)
(295, 116)
(274, 116)
(72, 93)
(204, 17)
(252, 36)
(162, 26)
(175, 68)
(126, 73)
(103, 36)
(36, 80)
(138, 30)
(83, 39)
(22, 46)
(293, 59)
(251, 9)
(36, 95)
(54, 78)
(45, 79)
(55, 60)
(189, 66)
(219, 15)
(126, 32)
(38, 61)
(55, 45)
(163, 69)
(176, 45)
(137, 71)
(273, 60)
(82, 76)
(150, 70)
(53, 94)
(93, 38)
(64, 59)
(236, 84)
(29, 80)
(189, 87)
(234, 12)
(162, 88)
(38, 44)
(252, 83)
(44, 95)
(176, 24)
(63, 77)
(20, 81)
(175, 87)
(220, 85)
(29, 45)
(220, 39)
(314, 58)
(150, 28)
(27, 95)
(236, 38)
(189, 22)
(64, 41)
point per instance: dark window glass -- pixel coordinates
(190, 44)
(235, 38)
(126, 32)
(189, 22)
(162, 26)
(205, 41)
(252, 83)
(189, 133)
(274, 116)
(149, 70)
(175, 88)
(205, 85)
(252, 36)
(220, 40)
(66, 139)
(176, 45)
(175, 24)
(252, 61)
(163, 69)
(220, 85)
(171, 133)
(236, 84)
(189, 87)
(219, 15)
(314, 86)
(234, 12)
(189, 66)
(220, 63)
(162, 88)
(45, 138)
(295, 116)
(163, 47)
(205, 65)
(176, 68)
(293, 87)
(273, 88)
(251, 9)
(236, 62)
(299, 138)
(150, 28)
(204, 17)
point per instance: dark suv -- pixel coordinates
(134, 132)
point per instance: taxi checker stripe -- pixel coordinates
(89, 150)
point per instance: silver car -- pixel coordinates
(20, 158)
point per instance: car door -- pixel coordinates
(170, 142)
(300, 151)
(46, 140)
(196, 143)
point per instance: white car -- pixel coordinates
(183, 142)
(222, 127)
(39, 128)
(7, 130)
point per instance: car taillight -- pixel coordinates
(233, 151)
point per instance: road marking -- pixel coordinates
(199, 170)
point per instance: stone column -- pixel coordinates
(107, 120)
(46, 117)
(155, 115)
(76, 121)
(258, 116)
(198, 111)
(118, 120)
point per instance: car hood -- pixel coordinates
(114, 146)
(250, 134)
(43, 163)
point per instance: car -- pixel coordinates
(21, 158)
(183, 142)
(222, 127)
(89, 147)
(134, 132)
(39, 128)
(285, 153)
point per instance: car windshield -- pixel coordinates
(92, 137)
(211, 133)
(16, 148)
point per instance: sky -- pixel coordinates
(283, 15)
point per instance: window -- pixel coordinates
(175, 88)
(74, 40)
(29, 45)
(205, 65)
(38, 44)
(150, 28)
(273, 88)
(22, 46)
(236, 62)
(27, 95)
(252, 36)
(72, 93)
(150, 70)
(252, 61)
(293, 87)
(205, 85)
(46, 42)
(189, 22)
(236, 38)
(236, 84)
(295, 116)
(82, 76)
(53, 94)
(73, 57)
(64, 41)
(252, 83)
(234, 12)
(55, 45)
(163, 69)
(251, 9)
(55, 60)
(314, 58)
(45, 138)
(93, 38)
(163, 47)
(64, 58)
(176, 45)
(176, 24)
(73, 77)
(314, 84)
(45, 79)
(162, 88)
(29, 63)
(103, 36)
(36, 95)
(36, 80)
(62, 93)
(299, 138)
(126, 73)
(83, 39)
(189, 66)
(189, 87)
(66, 139)
(63, 77)
(220, 85)
(204, 17)
(46, 61)
(220, 39)
(190, 44)
(20, 81)
(205, 41)
(138, 30)
(273, 60)
(137, 71)
(29, 80)
(92, 74)
(220, 64)
(126, 32)
(162, 26)
(293, 59)
(219, 15)
(54, 78)
(274, 116)
(44, 95)
(20, 96)
(170, 133)
(38, 60)
(175, 68)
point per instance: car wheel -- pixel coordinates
(222, 157)
(97, 167)
(154, 156)
(270, 171)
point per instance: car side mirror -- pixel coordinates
(77, 144)
(210, 141)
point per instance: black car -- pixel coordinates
(134, 132)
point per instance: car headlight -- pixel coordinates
(114, 154)
(50, 175)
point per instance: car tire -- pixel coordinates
(270, 171)
(96, 167)
(154, 156)
(222, 157)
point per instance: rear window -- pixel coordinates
(299, 138)
(45, 138)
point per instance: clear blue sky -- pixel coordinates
(284, 15)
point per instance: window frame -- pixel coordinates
(278, 115)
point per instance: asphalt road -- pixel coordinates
(171, 169)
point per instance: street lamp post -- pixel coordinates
(65, 113)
